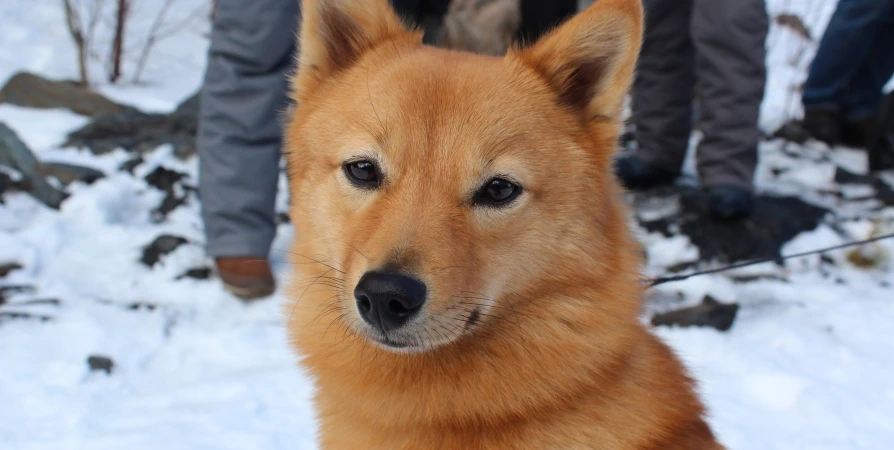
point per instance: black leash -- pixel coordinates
(662, 280)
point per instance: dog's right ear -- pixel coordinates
(336, 33)
(589, 60)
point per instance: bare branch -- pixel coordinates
(151, 39)
(118, 40)
(76, 29)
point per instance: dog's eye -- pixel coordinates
(363, 173)
(497, 192)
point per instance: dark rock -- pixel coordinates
(33, 91)
(282, 218)
(164, 179)
(6, 291)
(140, 132)
(131, 164)
(161, 246)
(198, 273)
(169, 204)
(775, 221)
(14, 154)
(98, 363)
(139, 306)
(8, 184)
(69, 173)
(753, 278)
(189, 107)
(40, 301)
(883, 190)
(794, 23)
(5, 269)
(16, 315)
(710, 313)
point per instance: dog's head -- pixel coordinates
(431, 188)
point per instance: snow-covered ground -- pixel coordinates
(808, 364)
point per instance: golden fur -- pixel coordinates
(558, 359)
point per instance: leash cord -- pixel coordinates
(661, 280)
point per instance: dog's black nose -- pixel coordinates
(388, 300)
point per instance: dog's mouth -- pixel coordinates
(391, 343)
(423, 337)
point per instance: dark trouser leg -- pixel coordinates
(663, 88)
(540, 16)
(844, 49)
(864, 92)
(429, 14)
(729, 39)
(245, 88)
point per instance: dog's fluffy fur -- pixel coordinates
(529, 337)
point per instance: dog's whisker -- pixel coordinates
(312, 260)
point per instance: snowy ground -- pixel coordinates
(807, 365)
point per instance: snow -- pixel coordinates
(807, 364)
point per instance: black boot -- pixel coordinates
(636, 174)
(858, 132)
(729, 202)
(823, 124)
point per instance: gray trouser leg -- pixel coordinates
(719, 46)
(729, 38)
(664, 84)
(244, 94)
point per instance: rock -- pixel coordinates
(40, 301)
(198, 273)
(139, 306)
(13, 315)
(5, 291)
(775, 221)
(9, 184)
(164, 179)
(33, 91)
(883, 190)
(69, 173)
(710, 313)
(7, 268)
(794, 23)
(189, 108)
(161, 246)
(14, 154)
(167, 180)
(168, 205)
(48, 195)
(98, 363)
(131, 164)
(140, 132)
(283, 218)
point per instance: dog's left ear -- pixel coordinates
(335, 34)
(589, 60)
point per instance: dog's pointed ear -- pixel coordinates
(336, 33)
(590, 59)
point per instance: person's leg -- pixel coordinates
(244, 93)
(729, 38)
(662, 96)
(864, 92)
(541, 16)
(431, 17)
(843, 50)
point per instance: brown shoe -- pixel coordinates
(246, 277)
